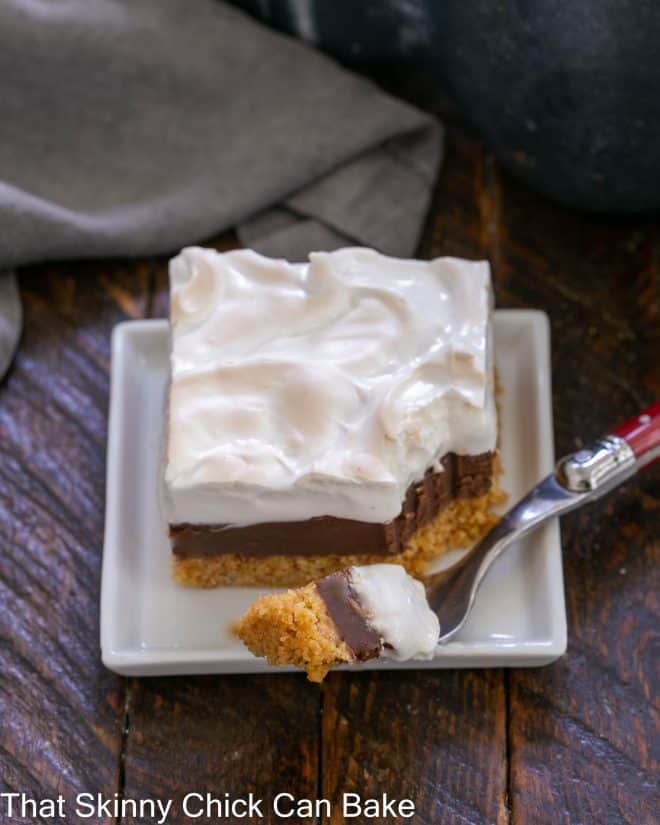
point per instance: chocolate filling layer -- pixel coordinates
(463, 476)
(343, 608)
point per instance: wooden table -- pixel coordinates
(575, 742)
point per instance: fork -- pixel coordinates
(578, 479)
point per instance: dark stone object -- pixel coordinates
(567, 94)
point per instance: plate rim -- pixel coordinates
(456, 654)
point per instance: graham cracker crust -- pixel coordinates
(294, 628)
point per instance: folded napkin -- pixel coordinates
(136, 127)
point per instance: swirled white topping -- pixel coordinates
(395, 605)
(325, 388)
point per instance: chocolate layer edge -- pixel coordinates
(461, 477)
(344, 609)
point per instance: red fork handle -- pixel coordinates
(643, 435)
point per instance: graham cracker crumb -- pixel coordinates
(293, 628)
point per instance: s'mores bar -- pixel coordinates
(326, 414)
(353, 615)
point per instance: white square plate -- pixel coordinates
(150, 626)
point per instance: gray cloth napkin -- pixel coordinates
(133, 128)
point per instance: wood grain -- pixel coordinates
(222, 734)
(583, 732)
(436, 737)
(61, 711)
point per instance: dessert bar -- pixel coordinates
(326, 414)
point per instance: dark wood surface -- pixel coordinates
(575, 742)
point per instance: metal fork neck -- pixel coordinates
(597, 468)
(579, 478)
